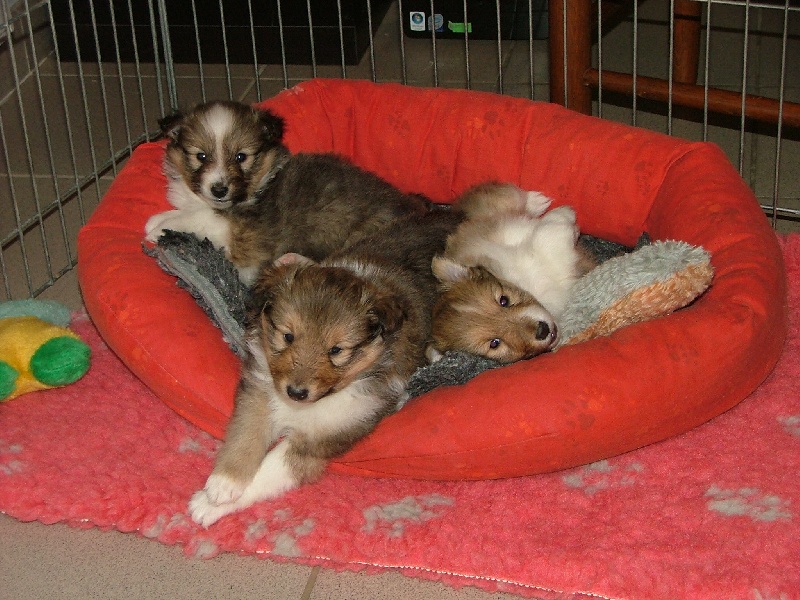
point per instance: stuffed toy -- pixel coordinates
(630, 285)
(37, 351)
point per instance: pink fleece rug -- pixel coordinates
(714, 513)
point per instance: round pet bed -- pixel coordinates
(642, 384)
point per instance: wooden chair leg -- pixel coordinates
(686, 46)
(570, 53)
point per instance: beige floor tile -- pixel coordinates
(330, 585)
(189, 91)
(113, 565)
(66, 291)
(68, 132)
(35, 261)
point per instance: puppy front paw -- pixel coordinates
(204, 512)
(218, 498)
(432, 354)
(562, 214)
(155, 226)
(536, 203)
(222, 489)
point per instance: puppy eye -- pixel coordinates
(241, 157)
(201, 156)
(495, 343)
(334, 351)
(503, 301)
(288, 338)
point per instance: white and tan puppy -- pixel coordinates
(231, 180)
(218, 155)
(506, 274)
(332, 346)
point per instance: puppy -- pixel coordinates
(477, 312)
(506, 274)
(231, 180)
(332, 345)
(218, 155)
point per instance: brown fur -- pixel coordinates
(490, 200)
(255, 134)
(315, 205)
(376, 291)
(274, 202)
(471, 315)
(351, 328)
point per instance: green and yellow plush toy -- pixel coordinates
(37, 351)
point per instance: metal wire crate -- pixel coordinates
(82, 82)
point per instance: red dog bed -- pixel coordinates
(586, 402)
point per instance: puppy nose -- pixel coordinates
(542, 330)
(296, 393)
(220, 190)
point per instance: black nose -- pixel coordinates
(220, 190)
(296, 393)
(542, 331)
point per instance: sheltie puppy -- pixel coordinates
(332, 345)
(506, 274)
(218, 155)
(231, 180)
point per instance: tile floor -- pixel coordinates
(77, 118)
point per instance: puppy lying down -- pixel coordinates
(231, 180)
(506, 275)
(332, 346)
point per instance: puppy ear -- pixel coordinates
(386, 315)
(262, 297)
(446, 270)
(272, 126)
(293, 258)
(171, 125)
(264, 289)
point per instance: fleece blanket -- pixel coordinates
(713, 513)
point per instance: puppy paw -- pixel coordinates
(562, 223)
(536, 203)
(204, 512)
(432, 354)
(221, 489)
(247, 275)
(155, 226)
(562, 214)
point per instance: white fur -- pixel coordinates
(194, 213)
(537, 254)
(536, 203)
(201, 222)
(222, 496)
(328, 415)
(220, 121)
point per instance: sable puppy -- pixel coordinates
(332, 345)
(231, 180)
(477, 312)
(506, 274)
(218, 155)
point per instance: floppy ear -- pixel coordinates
(386, 315)
(171, 125)
(269, 278)
(446, 270)
(272, 126)
(293, 258)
